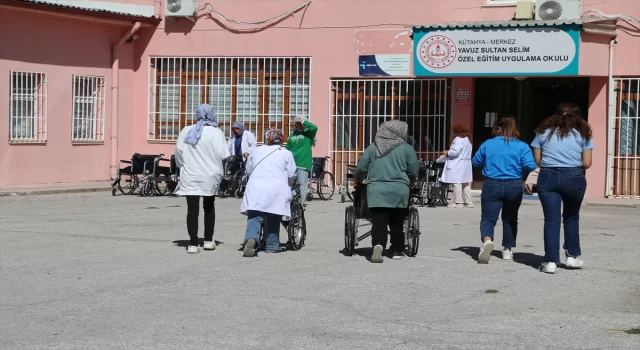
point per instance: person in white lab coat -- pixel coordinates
(458, 168)
(200, 150)
(242, 141)
(268, 196)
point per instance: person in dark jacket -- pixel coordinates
(389, 165)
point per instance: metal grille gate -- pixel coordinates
(358, 107)
(626, 154)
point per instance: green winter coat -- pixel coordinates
(389, 176)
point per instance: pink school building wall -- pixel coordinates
(59, 48)
(332, 33)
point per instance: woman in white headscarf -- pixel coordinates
(200, 150)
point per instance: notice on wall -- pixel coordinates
(384, 65)
(462, 96)
(497, 52)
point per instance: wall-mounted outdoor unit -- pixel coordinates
(180, 8)
(551, 10)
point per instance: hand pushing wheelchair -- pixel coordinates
(359, 212)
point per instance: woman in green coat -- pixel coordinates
(389, 165)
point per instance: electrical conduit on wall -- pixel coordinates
(115, 76)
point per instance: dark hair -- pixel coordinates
(508, 126)
(460, 130)
(566, 118)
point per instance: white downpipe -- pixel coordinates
(611, 120)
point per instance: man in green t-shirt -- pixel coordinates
(300, 141)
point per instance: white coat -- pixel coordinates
(458, 168)
(247, 144)
(270, 168)
(200, 164)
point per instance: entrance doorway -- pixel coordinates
(529, 101)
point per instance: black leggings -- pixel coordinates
(394, 219)
(193, 211)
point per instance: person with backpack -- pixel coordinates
(300, 142)
(268, 195)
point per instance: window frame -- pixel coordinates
(37, 99)
(96, 116)
(237, 76)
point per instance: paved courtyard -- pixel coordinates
(91, 271)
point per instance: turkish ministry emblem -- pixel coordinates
(437, 51)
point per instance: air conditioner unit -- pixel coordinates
(551, 10)
(180, 8)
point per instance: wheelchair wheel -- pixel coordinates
(236, 184)
(297, 228)
(161, 186)
(326, 185)
(424, 193)
(412, 233)
(127, 183)
(349, 231)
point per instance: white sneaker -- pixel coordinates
(249, 249)
(211, 245)
(376, 257)
(507, 254)
(193, 249)
(470, 205)
(548, 267)
(455, 206)
(485, 252)
(574, 262)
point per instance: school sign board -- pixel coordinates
(506, 51)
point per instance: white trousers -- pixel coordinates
(462, 193)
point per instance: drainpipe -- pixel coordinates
(115, 82)
(611, 119)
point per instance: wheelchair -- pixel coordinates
(420, 190)
(359, 212)
(437, 192)
(348, 182)
(324, 180)
(232, 179)
(296, 226)
(145, 175)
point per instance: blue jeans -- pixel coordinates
(497, 195)
(561, 187)
(271, 229)
(303, 180)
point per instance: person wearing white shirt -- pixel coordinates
(268, 195)
(200, 149)
(458, 170)
(242, 141)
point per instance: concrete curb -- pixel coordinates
(52, 191)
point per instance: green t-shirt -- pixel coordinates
(300, 143)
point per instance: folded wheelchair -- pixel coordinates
(357, 224)
(145, 175)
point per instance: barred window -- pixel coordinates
(88, 109)
(28, 111)
(259, 92)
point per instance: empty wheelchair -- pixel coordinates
(357, 224)
(232, 178)
(437, 191)
(323, 180)
(420, 189)
(145, 175)
(348, 183)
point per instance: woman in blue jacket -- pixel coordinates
(502, 158)
(563, 149)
